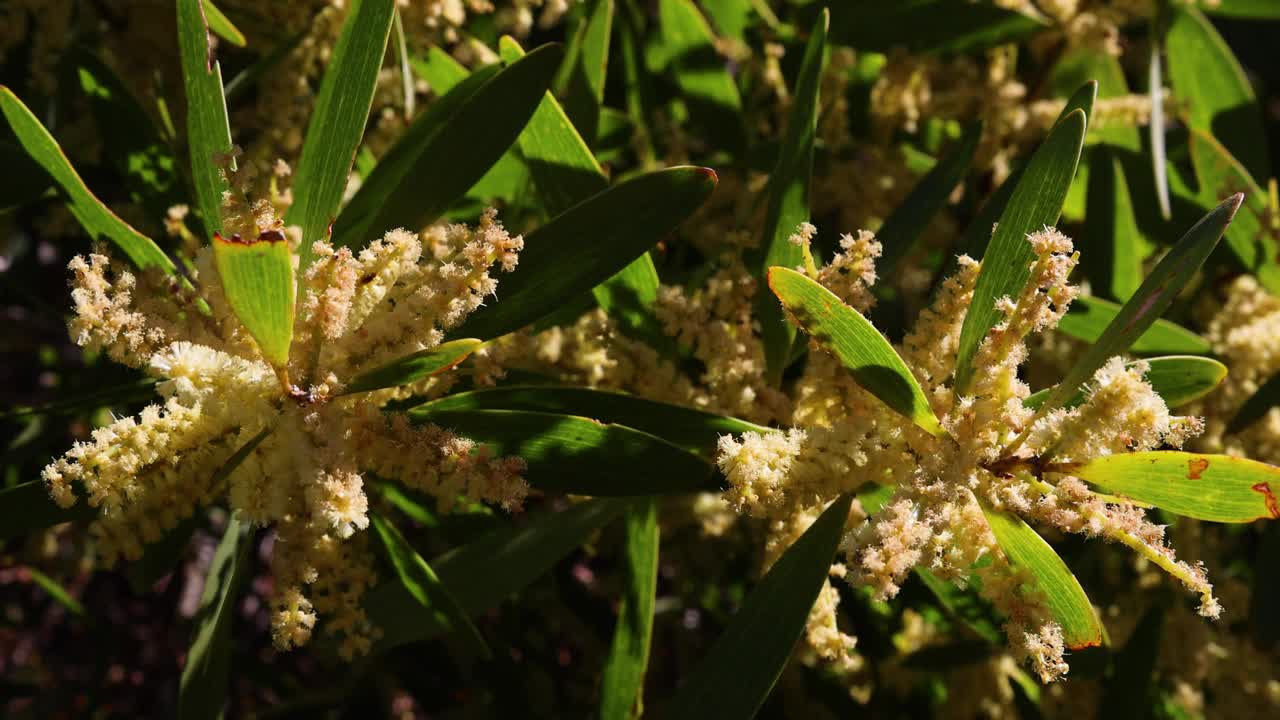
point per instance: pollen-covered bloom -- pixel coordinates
(996, 455)
(308, 445)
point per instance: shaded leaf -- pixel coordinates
(27, 507)
(257, 278)
(55, 591)
(588, 244)
(788, 199)
(735, 677)
(1063, 595)
(965, 605)
(483, 573)
(208, 132)
(928, 26)
(691, 429)
(1150, 301)
(1034, 203)
(622, 684)
(1249, 9)
(1090, 316)
(1219, 488)
(96, 218)
(701, 73)
(221, 26)
(570, 454)
(337, 124)
(467, 131)
(415, 367)
(421, 582)
(1178, 379)
(582, 76)
(856, 343)
(203, 691)
(1116, 247)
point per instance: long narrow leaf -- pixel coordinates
(582, 77)
(1178, 379)
(202, 691)
(929, 26)
(588, 244)
(221, 26)
(27, 507)
(415, 367)
(622, 685)
(856, 343)
(208, 133)
(1065, 598)
(701, 73)
(1150, 301)
(578, 455)
(1218, 488)
(97, 220)
(1036, 201)
(485, 572)
(338, 121)
(735, 677)
(423, 584)
(1090, 316)
(1116, 247)
(788, 198)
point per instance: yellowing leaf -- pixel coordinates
(1219, 488)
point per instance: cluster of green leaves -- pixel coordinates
(533, 131)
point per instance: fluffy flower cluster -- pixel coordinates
(308, 445)
(996, 456)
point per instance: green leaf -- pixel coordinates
(26, 508)
(1208, 79)
(1155, 295)
(906, 223)
(1065, 598)
(202, 691)
(1246, 9)
(257, 277)
(83, 401)
(856, 343)
(1178, 379)
(415, 367)
(221, 26)
(96, 219)
(338, 121)
(965, 605)
(928, 26)
(622, 685)
(56, 592)
(1036, 202)
(735, 677)
(565, 172)
(788, 199)
(485, 572)
(440, 70)
(464, 133)
(1116, 247)
(1266, 397)
(422, 583)
(1130, 692)
(1218, 488)
(701, 73)
(208, 132)
(691, 429)
(582, 76)
(1252, 237)
(588, 244)
(1090, 316)
(571, 454)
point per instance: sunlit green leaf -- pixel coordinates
(1208, 80)
(1090, 316)
(571, 454)
(622, 684)
(589, 243)
(441, 71)
(856, 343)
(788, 198)
(257, 278)
(1150, 301)
(734, 678)
(208, 133)
(221, 26)
(692, 429)
(338, 121)
(447, 149)
(1115, 247)
(1062, 592)
(97, 220)
(203, 690)
(1219, 488)
(582, 76)
(422, 583)
(485, 572)
(1178, 379)
(415, 367)
(1035, 202)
